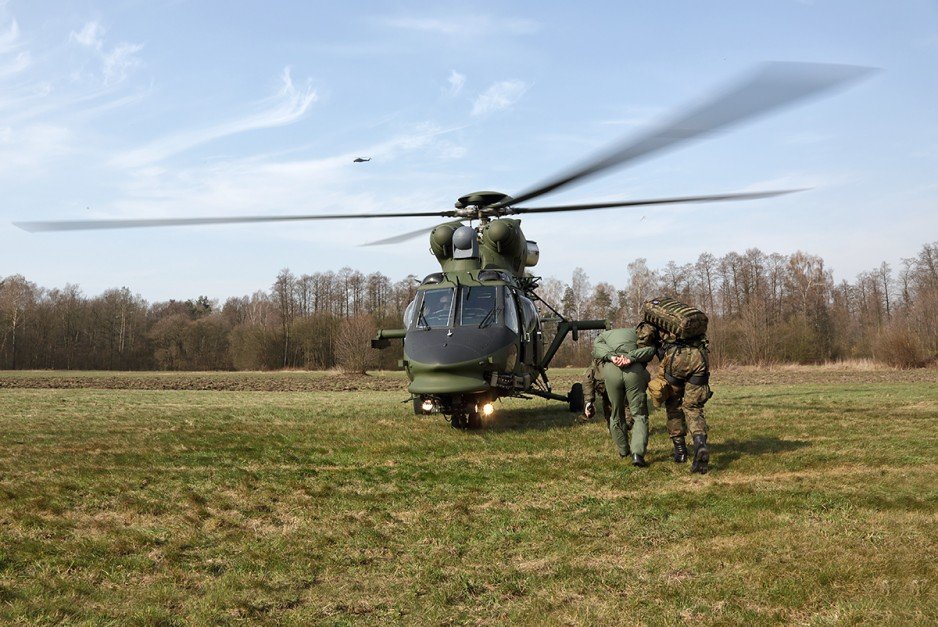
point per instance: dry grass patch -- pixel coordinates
(164, 506)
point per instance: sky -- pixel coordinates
(143, 109)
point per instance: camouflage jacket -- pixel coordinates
(647, 335)
(680, 359)
(593, 383)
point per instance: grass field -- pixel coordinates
(125, 501)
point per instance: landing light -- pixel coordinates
(427, 405)
(488, 409)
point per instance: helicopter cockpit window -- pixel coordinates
(478, 305)
(528, 314)
(436, 308)
(409, 314)
(511, 312)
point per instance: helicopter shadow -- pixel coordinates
(530, 419)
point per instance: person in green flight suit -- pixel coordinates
(626, 378)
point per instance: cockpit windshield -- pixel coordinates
(435, 308)
(478, 305)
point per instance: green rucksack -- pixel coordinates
(674, 317)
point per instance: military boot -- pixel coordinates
(639, 461)
(680, 449)
(701, 462)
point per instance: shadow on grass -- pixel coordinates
(530, 419)
(808, 408)
(723, 454)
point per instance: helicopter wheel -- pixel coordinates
(466, 422)
(474, 420)
(576, 398)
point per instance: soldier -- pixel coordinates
(625, 377)
(594, 385)
(684, 382)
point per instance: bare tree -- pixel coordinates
(641, 286)
(16, 294)
(283, 292)
(352, 348)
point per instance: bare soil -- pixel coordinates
(233, 382)
(294, 381)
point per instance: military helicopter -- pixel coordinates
(473, 333)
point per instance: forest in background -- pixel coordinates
(763, 308)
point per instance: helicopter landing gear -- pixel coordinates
(466, 421)
(575, 398)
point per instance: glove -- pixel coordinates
(589, 410)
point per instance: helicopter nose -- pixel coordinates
(455, 346)
(444, 361)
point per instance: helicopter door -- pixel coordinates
(530, 332)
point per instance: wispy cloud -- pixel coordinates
(499, 96)
(118, 62)
(25, 148)
(425, 136)
(447, 150)
(466, 26)
(91, 35)
(16, 65)
(26, 145)
(9, 37)
(286, 107)
(454, 83)
(11, 61)
(260, 183)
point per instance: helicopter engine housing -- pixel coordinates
(504, 245)
(532, 254)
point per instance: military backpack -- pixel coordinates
(672, 316)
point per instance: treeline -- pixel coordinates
(764, 308)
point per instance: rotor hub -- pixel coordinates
(482, 199)
(482, 205)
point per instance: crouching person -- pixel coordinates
(594, 390)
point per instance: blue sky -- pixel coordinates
(172, 109)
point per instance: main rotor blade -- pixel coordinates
(87, 225)
(656, 201)
(403, 237)
(771, 87)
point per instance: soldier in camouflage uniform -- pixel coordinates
(625, 377)
(593, 386)
(685, 366)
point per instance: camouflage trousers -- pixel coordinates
(685, 405)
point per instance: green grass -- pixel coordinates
(182, 507)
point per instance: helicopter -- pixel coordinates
(473, 333)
